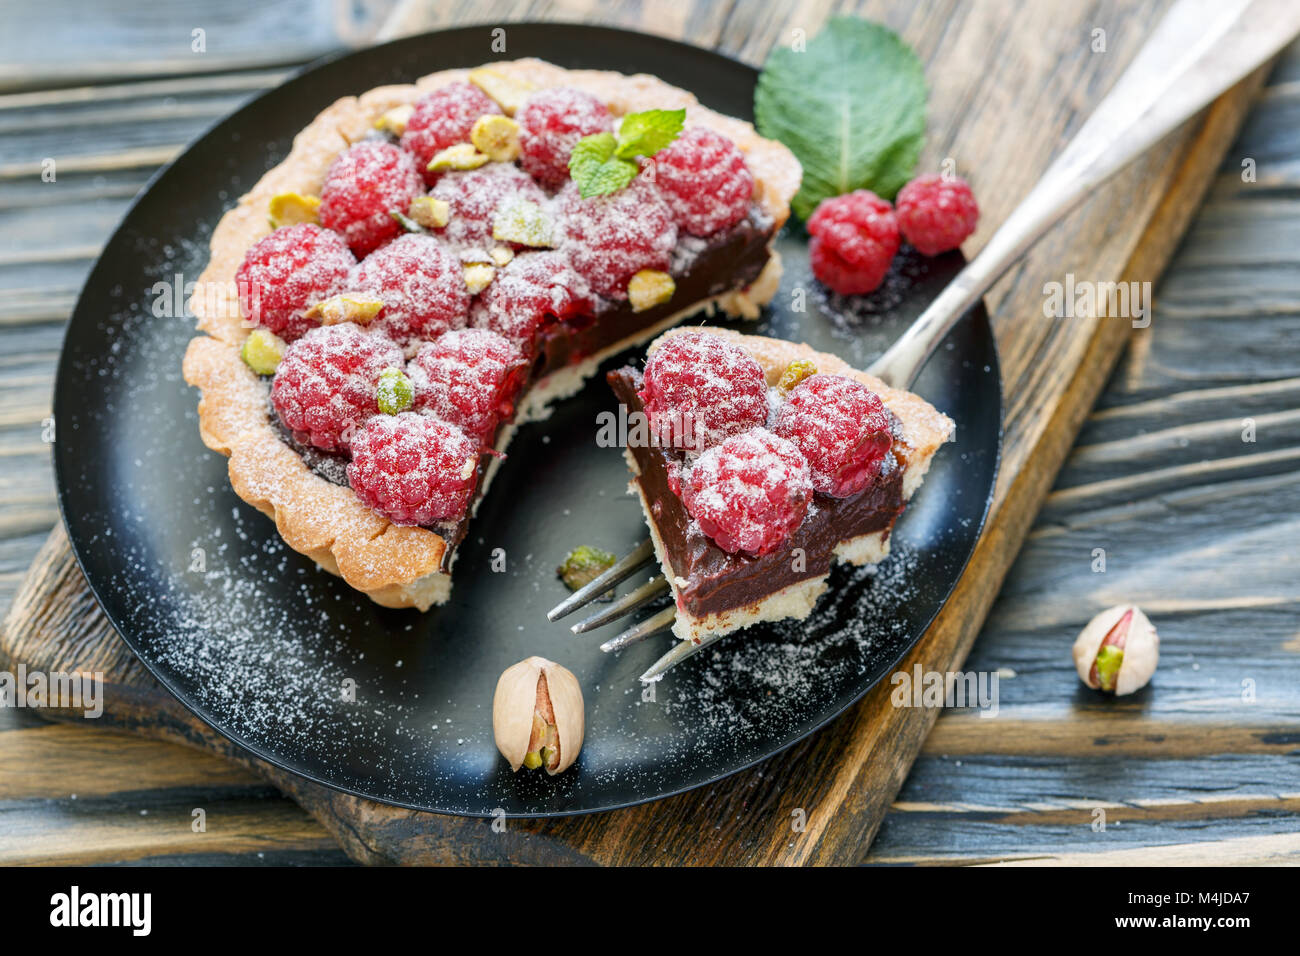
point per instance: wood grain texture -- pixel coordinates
(1156, 470)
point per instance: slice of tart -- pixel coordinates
(764, 463)
(423, 272)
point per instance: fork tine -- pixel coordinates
(678, 654)
(628, 603)
(641, 555)
(641, 630)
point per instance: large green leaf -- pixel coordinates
(851, 107)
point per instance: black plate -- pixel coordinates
(258, 642)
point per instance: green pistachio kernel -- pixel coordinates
(407, 223)
(549, 756)
(262, 351)
(532, 760)
(583, 564)
(395, 392)
(524, 222)
(1109, 659)
(460, 156)
(649, 288)
(796, 372)
(288, 209)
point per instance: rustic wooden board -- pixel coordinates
(1007, 115)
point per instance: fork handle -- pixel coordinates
(1197, 51)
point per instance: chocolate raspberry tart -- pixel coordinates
(764, 463)
(435, 263)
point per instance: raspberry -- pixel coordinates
(444, 118)
(841, 427)
(468, 378)
(325, 384)
(699, 389)
(854, 238)
(550, 122)
(533, 289)
(474, 197)
(750, 492)
(611, 238)
(415, 469)
(288, 272)
(363, 186)
(422, 288)
(704, 178)
(936, 214)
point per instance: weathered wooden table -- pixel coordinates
(1187, 475)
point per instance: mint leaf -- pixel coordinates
(595, 168)
(601, 164)
(851, 107)
(644, 134)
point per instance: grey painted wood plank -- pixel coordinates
(60, 42)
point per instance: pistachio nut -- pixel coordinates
(460, 156)
(796, 372)
(1118, 651)
(496, 137)
(262, 351)
(478, 276)
(649, 288)
(523, 222)
(508, 92)
(394, 121)
(290, 209)
(394, 392)
(346, 308)
(429, 212)
(537, 716)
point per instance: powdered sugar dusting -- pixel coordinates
(611, 238)
(475, 195)
(550, 123)
(421, 285)
(750, 492)
(705, 179)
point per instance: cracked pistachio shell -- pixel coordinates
(1141, 648)
(516, 699)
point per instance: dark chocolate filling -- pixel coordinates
(717, 581)
(702, 268)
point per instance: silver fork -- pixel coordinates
(1197, 51)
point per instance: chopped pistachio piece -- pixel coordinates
(1109, 659)
(796, 372)
(262, 351)
(429, 212)
(407, 223)
(395, 391)
(524, 222)
(345, 308)
(583, 564)
(290, 209)
(394, 121)
(478, 276)
(502, 255)
(460, 156)
(497, 137)
(649, 288)
(508, 92)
